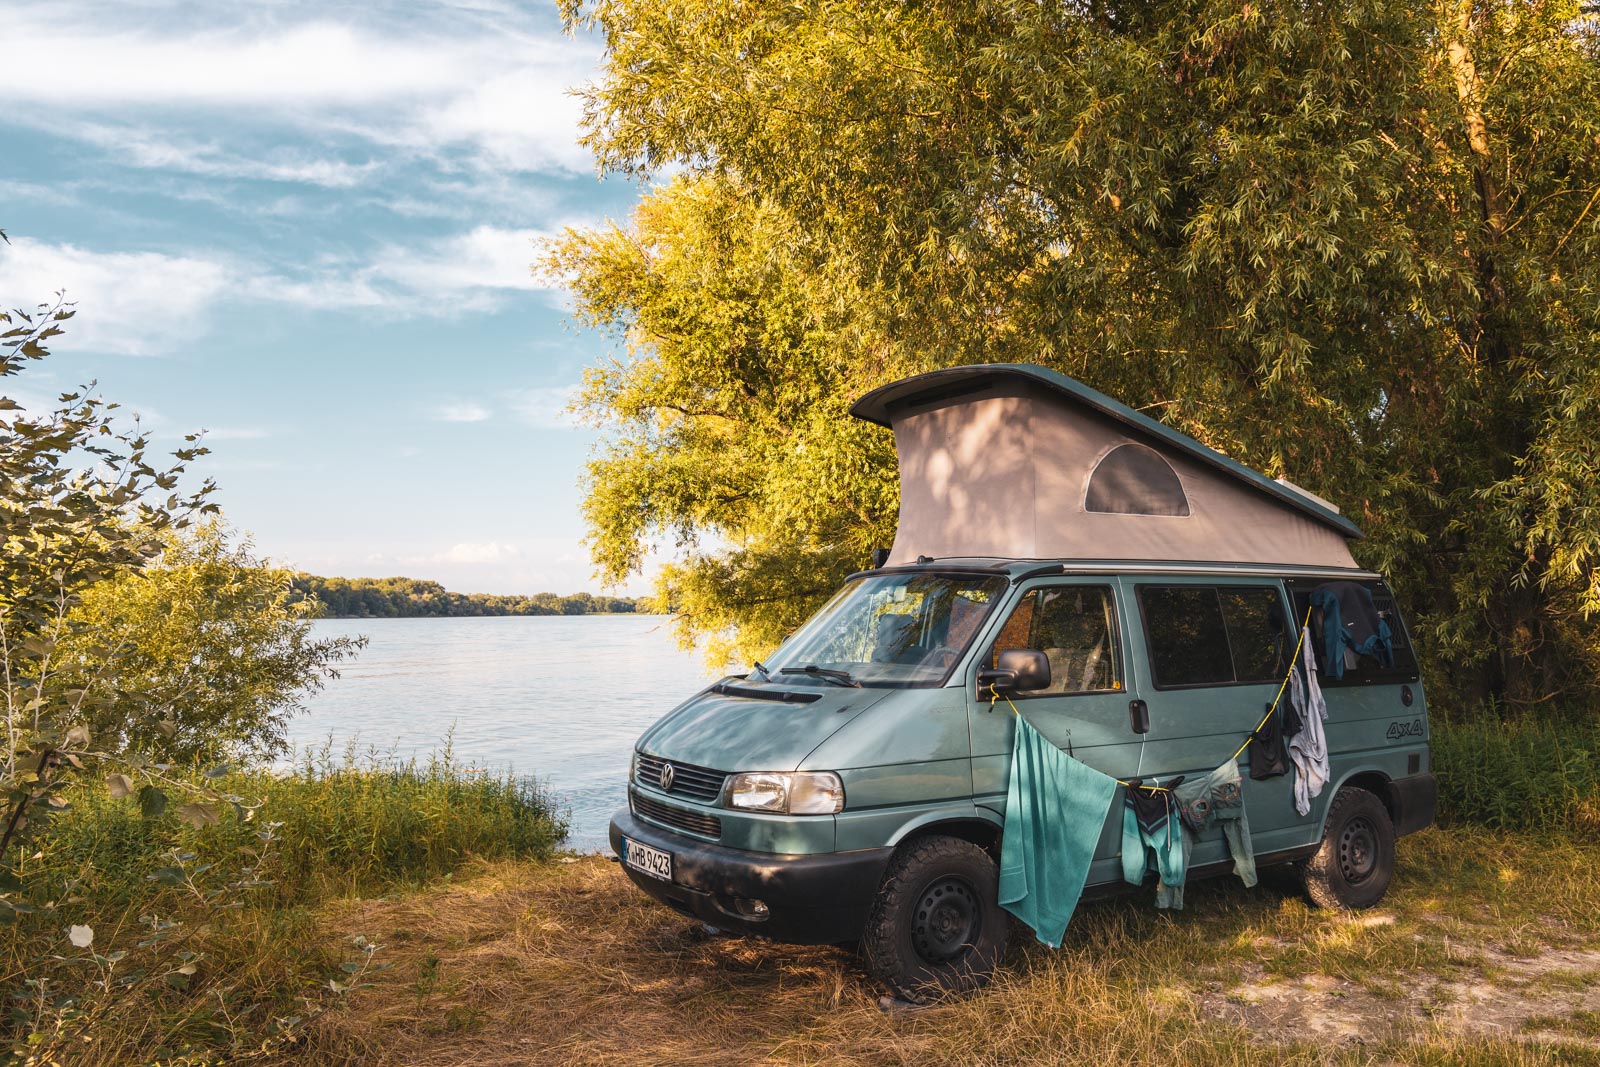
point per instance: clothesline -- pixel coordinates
(995, 696)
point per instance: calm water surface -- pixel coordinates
(560, 698)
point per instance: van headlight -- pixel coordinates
(797, 793)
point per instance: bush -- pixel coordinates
(200, 945)
(1519, 774)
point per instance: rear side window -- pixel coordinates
(1214, 635)
(1362, 670)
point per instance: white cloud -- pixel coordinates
(545, 406)
(467, 552)
(487, 257)
(146, 303)
(433, 81)
(160, 150)
(463, 412)
(134, 303)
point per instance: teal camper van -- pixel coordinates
(1062, 559)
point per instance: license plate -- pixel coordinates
(651, 861)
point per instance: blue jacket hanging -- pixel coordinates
(1350, 620)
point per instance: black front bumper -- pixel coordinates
(811, 900)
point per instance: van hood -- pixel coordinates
(730, 732)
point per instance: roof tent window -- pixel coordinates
(1135, 480)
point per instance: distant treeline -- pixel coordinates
(412, 598)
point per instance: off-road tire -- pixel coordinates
(936, 925)
(1353, 867)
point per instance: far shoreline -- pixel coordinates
(434, 618)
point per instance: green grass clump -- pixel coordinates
(1519, 774)
(340, 828)
(205, 946)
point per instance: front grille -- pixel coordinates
(697, 783)
(676, 817)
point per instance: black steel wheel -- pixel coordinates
(1353, 867)
(936, 925)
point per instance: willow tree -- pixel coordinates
(1353, 243)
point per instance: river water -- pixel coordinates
(561, 698)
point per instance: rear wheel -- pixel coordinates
(1353, 867)
(936, 925)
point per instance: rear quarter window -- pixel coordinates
(1365, 670)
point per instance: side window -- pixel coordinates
(1205, 635)
(1075, 626)
(1256, 633)
(1188, 639)
(1361, 670)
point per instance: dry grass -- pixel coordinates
(1484, 943)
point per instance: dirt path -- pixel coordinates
(567, 963)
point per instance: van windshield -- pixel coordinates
(896, 630)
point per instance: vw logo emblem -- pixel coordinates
(668, 775)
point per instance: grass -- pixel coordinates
(382, 913)
(1520, 774)
(567, 963)
(205, 942)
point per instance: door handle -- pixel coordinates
(1139, 716)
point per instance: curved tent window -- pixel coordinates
(1134, 480)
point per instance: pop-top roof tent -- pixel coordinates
(1018, 462)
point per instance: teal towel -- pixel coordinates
(1055, 810)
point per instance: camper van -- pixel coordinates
(1062, 559)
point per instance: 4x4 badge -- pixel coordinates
(1398, 730)
(668, 775)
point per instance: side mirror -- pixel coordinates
(1019, 669)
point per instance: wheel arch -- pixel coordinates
(1373, 781)
(981, 828)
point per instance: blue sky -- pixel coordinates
(308, 228)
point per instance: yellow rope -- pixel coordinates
(1271, 711)
(995, 696)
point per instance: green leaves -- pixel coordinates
(1313, 238)
(152, 801)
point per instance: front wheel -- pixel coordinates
(1353, 867)
(936, 925)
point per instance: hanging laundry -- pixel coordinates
(1269, 756)
(1152, 835)
(1350, 620)
(1218, 798)
(1308, 747)
(1055, 810)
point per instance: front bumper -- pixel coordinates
(820, 899)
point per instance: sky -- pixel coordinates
(308, 229)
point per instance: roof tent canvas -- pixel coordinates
(1018, 462)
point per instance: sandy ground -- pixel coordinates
(568, 963)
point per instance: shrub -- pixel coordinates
(1519, 774)
(161, 938)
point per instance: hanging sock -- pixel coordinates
(1055, 810)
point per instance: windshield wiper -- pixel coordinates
(836, 677)
(762, 667)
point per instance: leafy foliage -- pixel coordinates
(413, 598)
(1355, 244)
(213, 652)
(79, 504)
